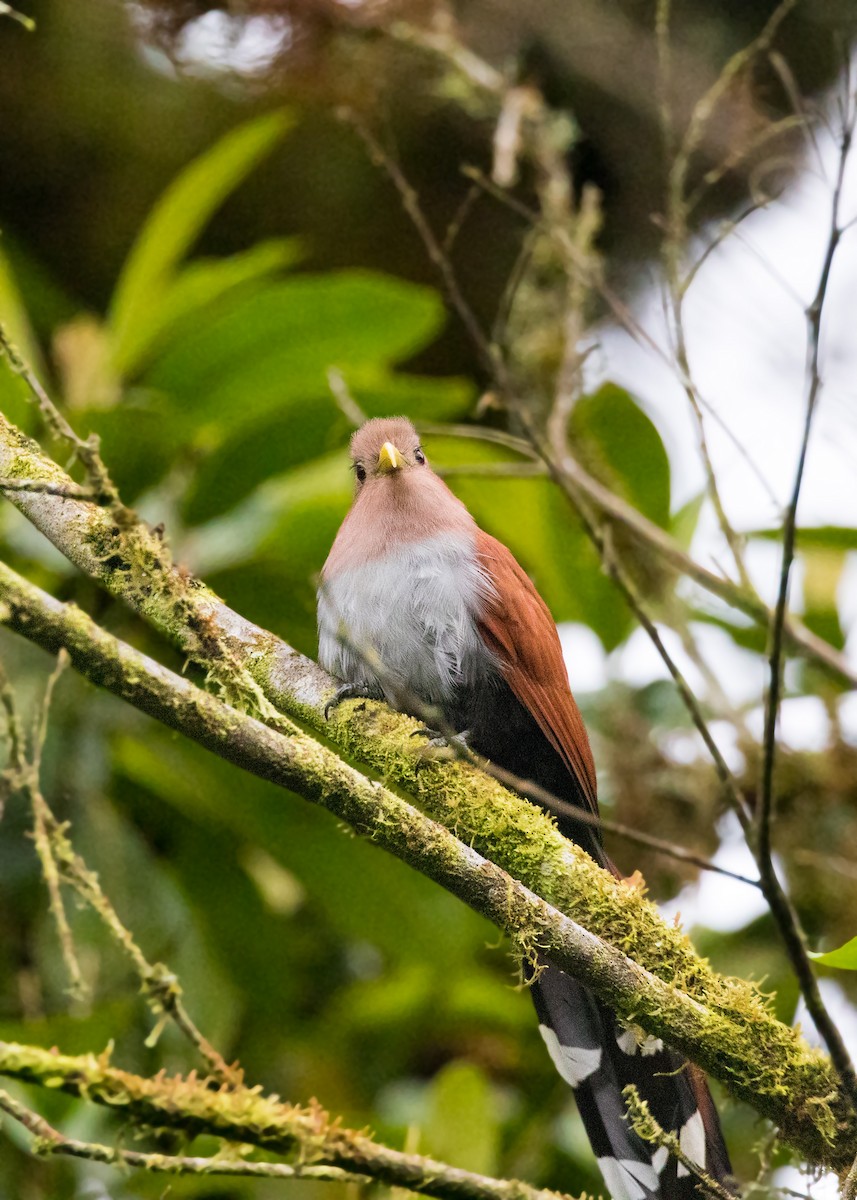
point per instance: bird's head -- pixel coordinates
(385, 448)
(398, 498)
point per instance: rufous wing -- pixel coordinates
(517, 626)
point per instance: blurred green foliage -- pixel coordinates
(325, 967)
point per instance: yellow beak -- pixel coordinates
(389, 459)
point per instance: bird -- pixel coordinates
(420, 607)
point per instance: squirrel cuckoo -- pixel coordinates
(455, 621)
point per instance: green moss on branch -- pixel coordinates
(723, 1024)
(246, 1115)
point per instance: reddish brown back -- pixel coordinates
(518, 627)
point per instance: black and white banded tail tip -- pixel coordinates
(598, 1058)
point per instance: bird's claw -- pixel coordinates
(348, 691)
(457, 743)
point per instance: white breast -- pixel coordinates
(416, 608)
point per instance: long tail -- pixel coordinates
(598, 1058)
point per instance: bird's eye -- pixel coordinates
(419, 456)
(360, 472)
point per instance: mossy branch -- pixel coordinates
(241, 1115)
(643, 968)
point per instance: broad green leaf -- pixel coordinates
(461, 1124)
(845, 957)
(136, 462)
(278, 344)
(176, 222)
(276, 545)
(422, 398)
(825, 537)
(304, 430)
(621, 446)
(360, 892)
(744, 633)
(309, 426)
(199, 285)
(13, 316)
(823, 566)
(265, 522)
(685, 520)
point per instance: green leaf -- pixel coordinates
(685, 520)
(621, 446)
(278, 343)
(307, 427)
(13, 315)
(176, 222)
(461, 1126)
(199, 285)
(14, 394)
(823, 566)
(748, 635)
(845, 957)
(422, 397)
(823, 537)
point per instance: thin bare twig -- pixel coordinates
(23, 775)
(787, 79)
(706, 107)
(673, 244)
(434, 249)
(463, 211)
(562, 808)
(575, 482)
(49, 1140)
(783, 911)
(61, 864)
(159, 984)
(85, 449)
(345, 401)
(603, 543)
(510, 470)
(738, 155)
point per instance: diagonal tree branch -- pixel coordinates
(654, 979)
(243, 1115)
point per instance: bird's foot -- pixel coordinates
(436, 741)
(348, 691)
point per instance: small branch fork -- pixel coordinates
(86, 450)
(244, 1117)
(62, 865)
